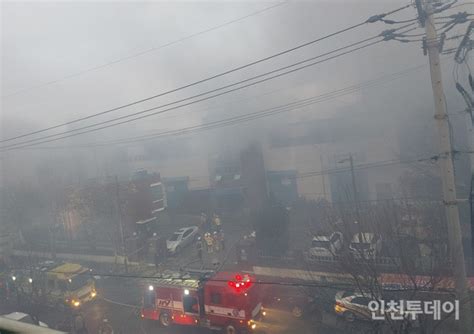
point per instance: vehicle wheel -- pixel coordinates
(349, 316)
(165, 319)
(297, 312)
(230, 330)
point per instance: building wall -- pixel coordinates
(302, 159)
(195, 167)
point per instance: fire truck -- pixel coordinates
(222, 301)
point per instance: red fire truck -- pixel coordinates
(224, 301)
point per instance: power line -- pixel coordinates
(34, 141)
(275, 110)
(261, 113)
(185, 277)
(372, 19)
(376, 164)
(119, 60)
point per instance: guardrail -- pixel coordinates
(379, 260)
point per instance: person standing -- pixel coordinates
(217, 223)
(222, 240)
(209, 242)
(203, 221)
(216, 239)
(199, 249)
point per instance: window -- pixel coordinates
(216, 298)
(320, 244)
(187, 233)
(175, 237)
(286, 182)
(361, 300)
(360, 246)
(190, 304)
(78, 282)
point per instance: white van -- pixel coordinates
(365, 245)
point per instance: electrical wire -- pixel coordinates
(149, 279)
(370, 20)
(119, 60)
(34, 141)
(267, 112)
(371, 165)
(263, 113)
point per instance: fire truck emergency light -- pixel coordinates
(186, 292)
(151, 288)
(240, 283)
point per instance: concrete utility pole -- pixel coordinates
(120, 221)
(447, 170)
(354, 187)
(323, 178)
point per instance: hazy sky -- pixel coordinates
(53, 41)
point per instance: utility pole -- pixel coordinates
(120, 220)
(323, 177)
(354, 187)
(447, 170)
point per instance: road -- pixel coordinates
(119, 302)
(119, 298)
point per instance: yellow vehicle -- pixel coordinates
(57, 284)
(72, 283)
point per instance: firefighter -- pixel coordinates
(216, 239)
(217, 222)
(199, 248)
(209, 242)
(203, 222)
(221, 239)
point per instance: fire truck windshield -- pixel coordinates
(77, 282)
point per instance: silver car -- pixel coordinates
(181, 238)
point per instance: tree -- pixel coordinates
(411, 265)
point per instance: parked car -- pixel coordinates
(26, 318)
(365, 245)
(326, 246)
(293, 300)
(181, 238)
(352, 306)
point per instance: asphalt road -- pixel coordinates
(119, 298)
